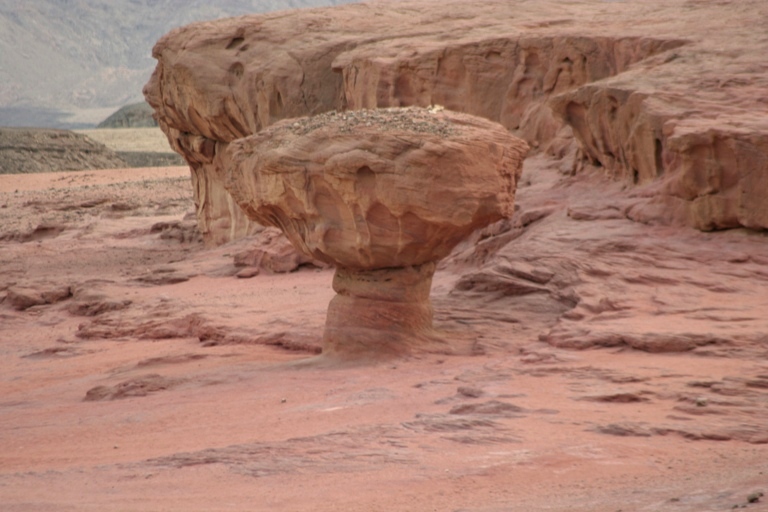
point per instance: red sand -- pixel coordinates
(234, 424)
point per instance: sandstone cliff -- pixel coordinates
(681, 116)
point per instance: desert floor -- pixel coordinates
(130, 139)
(137, 373)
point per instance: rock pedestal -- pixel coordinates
(384, 311)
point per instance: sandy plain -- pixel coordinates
(146, 376)
(130, 139)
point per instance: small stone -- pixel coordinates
(248, 273)
(469, 392)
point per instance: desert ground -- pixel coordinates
(150, 140)
(604, 349)
(140, 373)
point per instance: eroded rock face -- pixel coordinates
(721, 175)
(709, 175)
(382, 195)
(637, 93)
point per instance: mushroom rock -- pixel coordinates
(382, 195)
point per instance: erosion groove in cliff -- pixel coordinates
(505, 79)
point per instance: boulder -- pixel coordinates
(21, 298)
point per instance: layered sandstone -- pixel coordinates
(381, 195)
(637, 93)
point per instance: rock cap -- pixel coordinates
(377, 188)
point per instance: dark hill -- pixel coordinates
(135, 115)
(31, 150)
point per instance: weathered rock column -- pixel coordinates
(382, 195)
(385, 311)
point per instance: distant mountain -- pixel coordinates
(72, 63)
